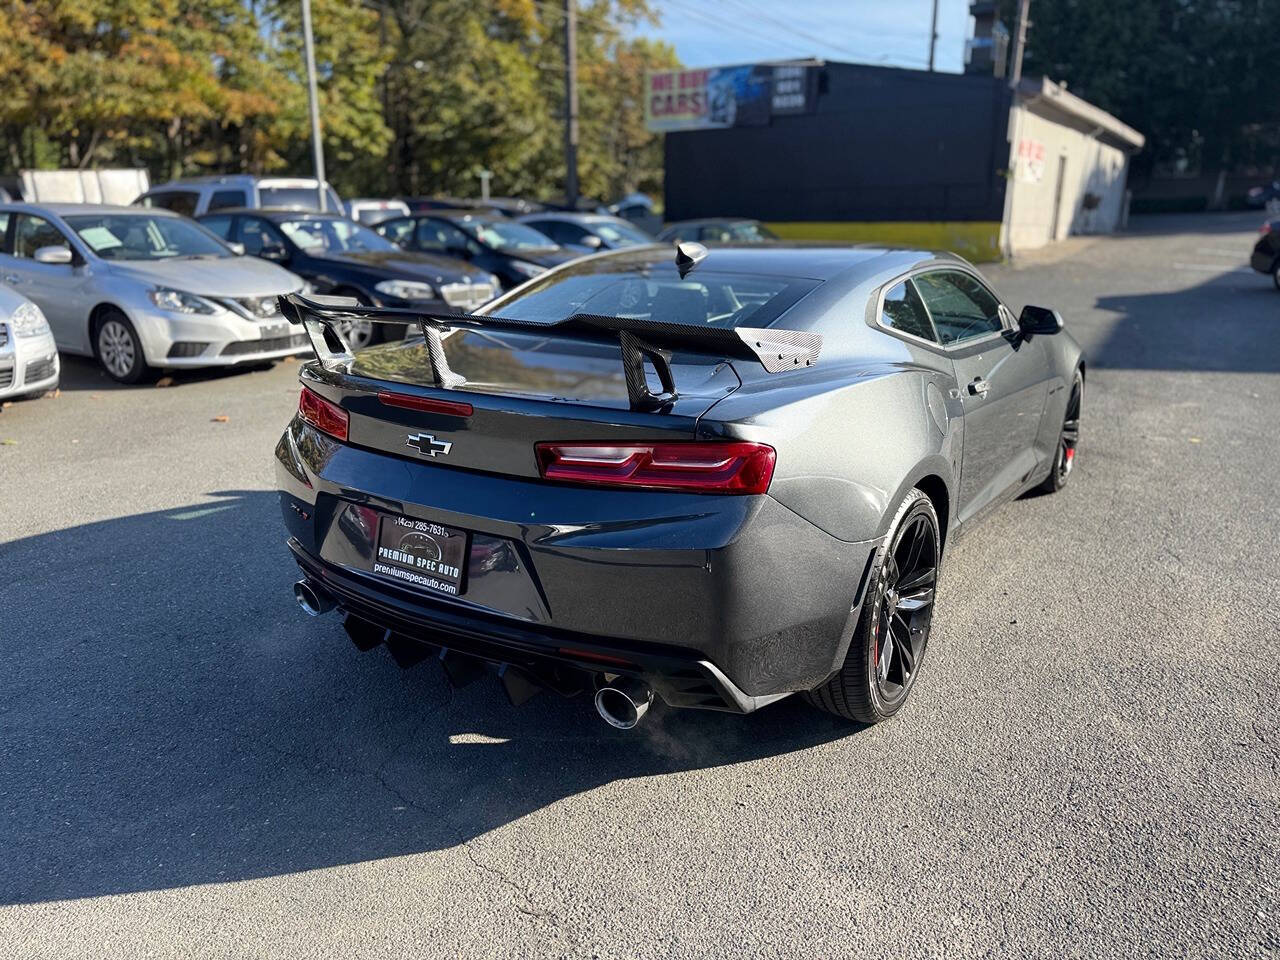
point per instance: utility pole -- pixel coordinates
(571, 103)
(1019, 44)
(316, 146)
(933, 35)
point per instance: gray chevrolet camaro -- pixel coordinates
(718, 477)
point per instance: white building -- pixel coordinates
(1068, 167)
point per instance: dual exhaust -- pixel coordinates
(621, 702)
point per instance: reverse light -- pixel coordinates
(691, 466)
(320, 413)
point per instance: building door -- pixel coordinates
(1057, 196)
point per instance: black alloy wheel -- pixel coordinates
(1064, 459)
(904, 609)
(888, 645)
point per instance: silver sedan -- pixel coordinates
(141, 289)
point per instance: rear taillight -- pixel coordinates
(692, 466)
(1265, 228)
(324, 416)
(452, 408)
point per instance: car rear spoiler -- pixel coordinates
(639, 340)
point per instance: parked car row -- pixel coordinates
(190, 274)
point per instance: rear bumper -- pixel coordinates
(676, 675)
(739, 586)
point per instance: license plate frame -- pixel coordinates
(424, 555)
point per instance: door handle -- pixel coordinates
(979, 387)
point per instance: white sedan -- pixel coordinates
(28, 355)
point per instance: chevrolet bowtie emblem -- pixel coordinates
(429, 446)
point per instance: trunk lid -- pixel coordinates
(523, 388)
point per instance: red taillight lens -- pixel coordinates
(324, 416)
(693, 466)
(452, 408)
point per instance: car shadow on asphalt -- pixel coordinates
(1228, 323)
(169, 718)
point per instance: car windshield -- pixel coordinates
(334, 236)
(297, 198)
(141, 236)
(657, 292)
(505, 236)
(621, 234)
(742, 232)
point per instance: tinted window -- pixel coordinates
(505, 236)
(657, 292)
(334, 236)
(179, 201)
(559, 230)
(439, 236)
(298, 198)
(398, 231)
(141, 236)
(219, 225)
(903, 311)
(620, 233)
(31, 233)
(256, 234)
(961, 307)
(222, 199)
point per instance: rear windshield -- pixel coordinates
(658, 293)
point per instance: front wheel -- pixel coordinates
(1064, 458)
(119, 349)
(888, 644)
(1275, 275)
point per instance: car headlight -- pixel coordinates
(179, 302)
(406, 289)
(527, 269)
(308, 288)
(28, 321)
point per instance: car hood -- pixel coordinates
(404, 265)
(222, 277)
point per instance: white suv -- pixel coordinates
(199, 195)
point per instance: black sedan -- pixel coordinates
(512, 251)
(1266, 252)
(718, 478)
(340, 257)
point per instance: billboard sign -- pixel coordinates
(717, 97)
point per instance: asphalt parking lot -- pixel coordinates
(1089, 766)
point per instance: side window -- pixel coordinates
(559, 231)
(715, 234)
(439, 236)
(222, 199)
(961, 307)
(904, 311)
(256, 234)
(31, 233)
(397, 231)
(219, 225)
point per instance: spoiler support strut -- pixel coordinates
(639, 340)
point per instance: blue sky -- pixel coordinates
(889, 32)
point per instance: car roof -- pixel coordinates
(72, 209)
(571, 217)
(234, 178)
(472, 214)
(703, 221)
(815, 262)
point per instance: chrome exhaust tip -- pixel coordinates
(312, 599)
(623, 702)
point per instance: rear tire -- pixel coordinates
(891, 637)
(359, 333)
(118, 348)
(1275, 274)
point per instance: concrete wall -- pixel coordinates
(1055, 162)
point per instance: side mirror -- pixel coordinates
(273, 251)
(1035, 320)
(591, 242)
(236, 248)
(54, 254)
